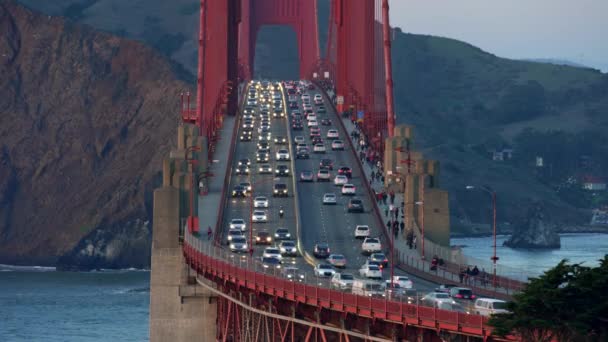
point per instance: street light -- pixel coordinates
(192, 220)
(492, 194)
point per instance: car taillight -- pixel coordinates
(472, 296)
(458, 296)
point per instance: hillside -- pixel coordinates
(85, 118)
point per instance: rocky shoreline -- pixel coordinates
(586, 229)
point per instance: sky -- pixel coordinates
(574, 30)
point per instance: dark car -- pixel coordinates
(239, 191)
(246, 136)
(445, 288)
(245, 161)
(282, 170)
(462, 293)
(302, 154)
(326, 164)
(325, 122)
(297, 127)
(282, 234)
(271, 262)
(355, 206)
(307, 176)
(321, 110)
(280, 189)
(346, 171)
(321, 251)
(263, 238)
(317, 140)
(262, 157)
(293, 105)
(242, 170)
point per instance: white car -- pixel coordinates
(340, 180)
(305, 97)
(403, 281)
(361, 231)
(265, 168)
(239, 244)
(260, 202)
(348, 189)
(489, 306)
(371, 245)
(234, 232)
(370, 271)
(323, 175)
(434, 297)
(337, 145)
(288, 248)
(311, 117)
(342, 281)
(299, 139)
(319, 148)
(272, 252)
(330, 199)
(301, 146)
(324, 270)
(238, 224)
(333, 134)
(313, 123)
(259, 216)
(282, 154)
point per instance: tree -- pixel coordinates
(567, 303)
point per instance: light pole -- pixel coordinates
(492, 194)
(192, 220)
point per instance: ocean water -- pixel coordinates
(577, 248)
(39, 304)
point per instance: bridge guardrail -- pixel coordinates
(218, 263)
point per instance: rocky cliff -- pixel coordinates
(85, 118)
(536, 232)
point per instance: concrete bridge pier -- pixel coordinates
(180, 310)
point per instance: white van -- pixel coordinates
(368, 288)
(489, 306)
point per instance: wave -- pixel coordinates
(16, 268)
(120, 270)
(132, 290)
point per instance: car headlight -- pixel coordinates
(232, 245)
(257, 238)
(269, 239)
(276, 191)
(288, 235)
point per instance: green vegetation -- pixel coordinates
(567, 303)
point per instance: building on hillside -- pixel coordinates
(592, 183)
(501, 154)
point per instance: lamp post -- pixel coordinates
(492, 194)
(192, 220)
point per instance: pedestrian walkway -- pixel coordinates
(210, 205)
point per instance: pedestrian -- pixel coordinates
(209, 233)
(414, 242)
(402, 226)
(384, 196)
(385, 212)
(396, 231)
(392, 194)
(461, 275)
(396, 212)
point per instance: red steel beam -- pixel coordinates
(388, 68)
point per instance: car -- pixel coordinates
(362, 231)
(337, 260)
(316, 140)
(319, 148)
(293, 105)
(323, 175)
(282, 234)
(340, 180)
(244, 161)
(346, 171)
(280, 140)
(321, 251)
(433, 297)
(263, 145)
(333, 134)
(324, 270)
(245, 136)
(280, 189)
(380, 258)
(371, 245)
(348, 189)
(271, 262)
(282, 170)
(297, 126)
(242, 170)
(303, 154)
(310, 115)
(261, 157)
(246, 185)
(292, 273)
(264, 168)
(306, 176)
(312, 123)
(445, 288)
(355, 206)
(272, 252)
(278, 112)
(264, 138)
(234, 232)
(247, 124)
(282, 154)
(260, 202)
(370, 271)
(239, 191)
(263, 238)
(301, 146)
(403, 281)
(462, 293)
(264, 129)
(238, 223)
(299, 139)
(489, 306)
(342, 281)
(288, 248)
(259, 216)
(314, 135)
(337, 145)
(330, 199)
(326, 163)
(325, 122)
(315, 130)
(238, 244)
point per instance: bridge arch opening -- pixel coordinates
(277, 55)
